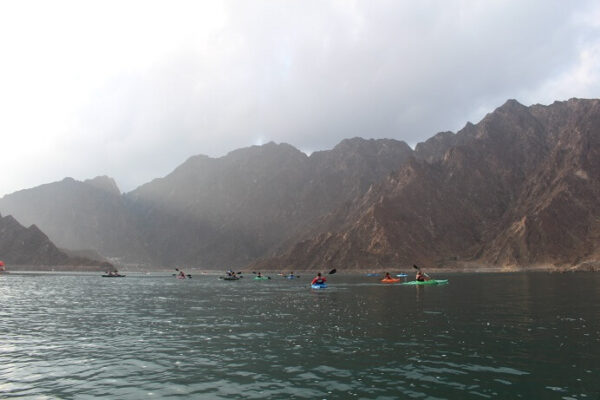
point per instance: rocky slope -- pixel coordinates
(234, 209)
(20, 246)
(79, 215)
(518, 189)
(209, 212)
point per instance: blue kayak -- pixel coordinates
(401, 275)
(318, 285)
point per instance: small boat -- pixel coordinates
(262, 278)
(318, 286)
(373, 274)
(229, 278)
(392, 280)
(401, 275)
(113, 276)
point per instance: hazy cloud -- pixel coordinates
(132, 88)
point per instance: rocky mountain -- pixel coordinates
(234, 209)
(80, 215)
(209, 212)
(22, 246)
(519, 188)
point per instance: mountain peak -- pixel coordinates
(104, 183)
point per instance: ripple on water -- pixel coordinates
(84, 337)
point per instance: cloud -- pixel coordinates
(133, 88)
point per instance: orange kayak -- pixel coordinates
(390, 280)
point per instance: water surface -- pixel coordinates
(503, 336)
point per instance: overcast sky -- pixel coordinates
(131, 89)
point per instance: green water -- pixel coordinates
(529, 336)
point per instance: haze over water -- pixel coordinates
(530, 336)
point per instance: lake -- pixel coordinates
(482, 336)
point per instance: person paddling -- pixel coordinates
(318, 279)
(421, 277)
(387, 276)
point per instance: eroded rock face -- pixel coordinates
(519, 188)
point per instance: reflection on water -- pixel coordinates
(481, 336)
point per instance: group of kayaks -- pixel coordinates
(234, 277)
(428, 282)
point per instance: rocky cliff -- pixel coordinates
(520, 188)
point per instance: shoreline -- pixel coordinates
(468, 269)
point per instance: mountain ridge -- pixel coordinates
(486, 194)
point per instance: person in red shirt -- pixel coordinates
(318, 279)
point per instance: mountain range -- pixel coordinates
(31, 247)
(517, 189)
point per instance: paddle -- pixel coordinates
(419, 269)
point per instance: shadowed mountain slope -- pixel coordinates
(519, 188)
(31, 247)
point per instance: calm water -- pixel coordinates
(530, 336)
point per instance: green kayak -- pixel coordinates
(429, 282)
(261, 278)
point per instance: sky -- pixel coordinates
(131, 89)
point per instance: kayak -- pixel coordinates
(318, 285)
(390, 280)
(113, 276)
(372, 274)
(261, 278)
(229, 278)
(292, 276)
(401, 275)
(429, 282)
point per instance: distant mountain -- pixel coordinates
(234, 209)
(518, 189)
(20, 246)
(80, 215)
(209, 212)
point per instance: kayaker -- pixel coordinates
(259, 275)
(421, 277)
(181, 275)
(318, 279)
(388, 276)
